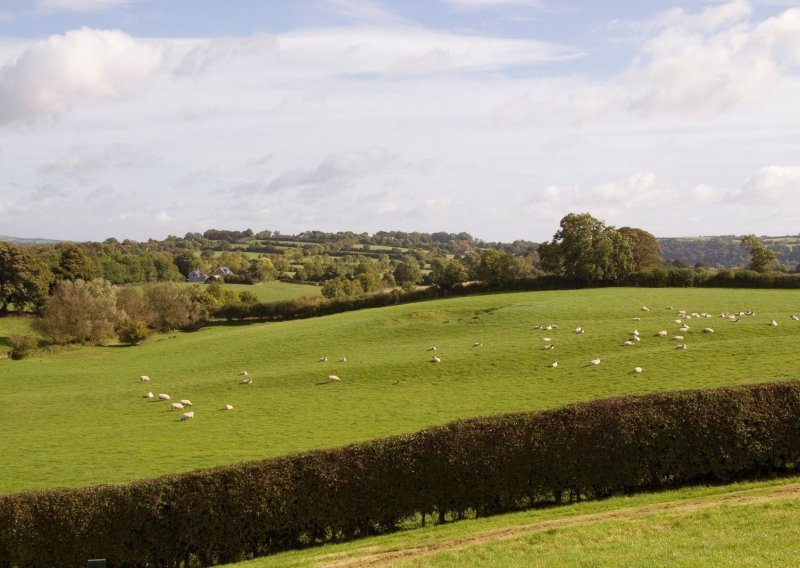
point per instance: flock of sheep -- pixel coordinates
(635, 336)
(185, 403)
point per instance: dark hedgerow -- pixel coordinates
(480, 466)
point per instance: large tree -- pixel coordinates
(587, 250)
(80, 312)
(24, 279)
(646, 250)
(446, 273)
(762, 259)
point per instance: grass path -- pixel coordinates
(658, 529)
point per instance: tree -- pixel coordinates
(407, 272)
(645, 248)
(171, 306)
(75, 264)
(261, 269)
(587, 250)
(80, 312)
(24, 279)
(762, 259)
(446, 273)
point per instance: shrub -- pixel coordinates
(484, 465)
(22, 345)
(80, 312)
(133, 331)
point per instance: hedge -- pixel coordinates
(482, 466)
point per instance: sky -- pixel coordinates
(140, 119)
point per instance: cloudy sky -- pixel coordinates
(145, 118)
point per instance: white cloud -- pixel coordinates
(359, 10)
(83, 5)
(53, 75)
(772, 185)
(494, 3)
(163, 217)
(81, 162)
(712, 60)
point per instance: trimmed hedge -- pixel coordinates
(482, 466)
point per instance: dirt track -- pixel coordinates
(377, 557)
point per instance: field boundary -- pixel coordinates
(744, 497)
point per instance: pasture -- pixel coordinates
(272, 291)
(79, 418)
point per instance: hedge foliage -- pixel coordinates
(482, 466)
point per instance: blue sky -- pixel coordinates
(143, 118)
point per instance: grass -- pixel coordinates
(13, 325)
(272, 291)
(78, 418)
(748, 524)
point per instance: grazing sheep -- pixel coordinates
(629, 343)
(546, 339)
(637, 319)
(549, 347)
(537, 326)
(678, 337)
(708, 330)
(323, 359)
(149, 395)
(163, 396)
(435, 359)
(478, 344)
(683, 328)
(176, 406)
(578, 330)
(636, 338)
(595, 361)
(333, 379)
(645, 309)
(187, 416)
(342, 359)
(554, 364)
(662, 333)
(431, 348)
(773, 323)
(637, 369)
(551, 327)
(636, 332)
(680, 346)
(795, 318)
(247, 381)
(144, 379)
(186, 402)
(228, 407)
(242, 373)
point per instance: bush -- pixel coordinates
(133, 331)
(483, 466)
(80, 312)
(22, 345)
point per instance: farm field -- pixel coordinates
(272, 291)
(748, 524)
(79, 418)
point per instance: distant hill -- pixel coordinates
(725, 251)
(23, 241)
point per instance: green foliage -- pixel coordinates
(762, 259)
(174, 307)
(22, 345)
(447, 273)
(588, 251)
(80, 312)
(407, 272)
(645, 248)
(133, 331)
(248, 297)
(24, 279)
(484, 465)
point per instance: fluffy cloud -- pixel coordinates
(772, 185)
(81, 162)
(53, 75)
(713, 59)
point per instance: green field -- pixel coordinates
(748, 524)
(272, 291)
(78, 418)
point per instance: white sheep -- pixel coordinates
(677, 321)
(186, 402)
(680, 346)
(629, 343)
(578, 330)
(684, 328)
(645, 309)
(773, 323)
(144, 379)
(547, 339)
(795, 318)
(432, 348)
(247, 381)
(228, 407)
(149, 395)
(595, 361)
(323, 359)
(187, 416)
(637, 319)
(554, 364)
(662, 333)
(333, 379)
(242, 373)
(549, 347)
(342, 359)
(478, 344)
(636, 332)
(636, 338)
(677, 337)
(708, 330)
(537, 326)
(637, 369)
(435, 359)
(163, 396)
(176, 406)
